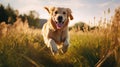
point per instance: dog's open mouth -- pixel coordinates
(59, 25)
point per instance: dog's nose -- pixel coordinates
(60, 18)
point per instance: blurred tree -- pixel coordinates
(33, 19)
(3, 15)
(80, 26)
(17, 13)
(23, 17)
(11, 14)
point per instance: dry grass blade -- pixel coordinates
(99, 63)
(115, 38)
(31, 61)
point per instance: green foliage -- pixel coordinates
(80, 25)
(3, 15)
(9, 16)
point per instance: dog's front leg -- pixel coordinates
(65, 46)
(53, 46)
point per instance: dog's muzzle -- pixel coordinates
(60, 19)
(59, 22)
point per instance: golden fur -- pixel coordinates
(55, 33)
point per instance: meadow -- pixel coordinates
(21, 46)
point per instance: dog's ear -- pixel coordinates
(70, 13)
(49, 9)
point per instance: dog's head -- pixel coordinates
(59, 16)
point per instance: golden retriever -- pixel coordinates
(55, 31)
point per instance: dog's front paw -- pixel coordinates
(64, 49)
(53, 47)
(65, 46)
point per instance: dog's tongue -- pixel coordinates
(59, 25)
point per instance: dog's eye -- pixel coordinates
(64, 12)
(56, 12)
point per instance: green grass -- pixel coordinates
(21, 50)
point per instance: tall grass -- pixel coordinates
(21, 46)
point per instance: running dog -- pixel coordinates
(55, 31)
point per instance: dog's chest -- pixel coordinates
(58, 36)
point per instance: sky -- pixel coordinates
(82, 10)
